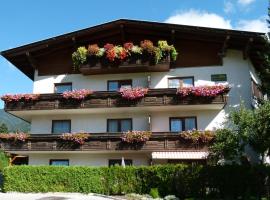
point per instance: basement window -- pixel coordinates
(59, 162)
(113, 162)
(62, 87)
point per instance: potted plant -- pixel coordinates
(135, 137)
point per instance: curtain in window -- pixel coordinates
(125, 125)
(190, 124)
(112, 125)
(176, 125)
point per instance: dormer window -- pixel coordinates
(177, 82)
(117, 84)
(62, 87)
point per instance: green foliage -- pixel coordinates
(184, 181)
(4, 160)
(154, 193)
(3, 128)
(79, 57)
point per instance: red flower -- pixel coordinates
(203, 91)
(128, 46)
(108, 46)
(133, 93)
(111, 54)
(123, 54)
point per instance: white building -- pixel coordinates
(206, 57)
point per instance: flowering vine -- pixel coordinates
(133, 93)
(198, 136)
(20, 136)
(20, 97)
(77, 94)
(136, 136)
(203, 91)
(120, 53)
(78, 138)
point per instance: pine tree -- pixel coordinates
(3, 128)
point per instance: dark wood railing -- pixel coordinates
(155, 97)
(162, 141)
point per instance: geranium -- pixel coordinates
(136, 136)
(78, 138)
(20, 136)
(108, 46)
(93, 50)
(133, 93)
(20, 97)
(203, 91)
(111, 54)
(197, 136)
(77, 94)
(128, 46)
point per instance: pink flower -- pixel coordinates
(136, 136)
(133, 93)
(78, 138)
(77, 94)
(20, 97)
(203, 91)
(20, 136)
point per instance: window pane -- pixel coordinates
(59, 162)
(176, 125)
(112, 125)
(125, 125)
(113, 86)
(125, 84)
(61, 127)
(219, 77)
(174, 83)
(63, 88)
(187, 82)
(190, 123)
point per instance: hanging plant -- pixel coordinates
(203, 91)
(133, 93)
(20, 136)
(77, 94)
(136, 136)
(78, 138)
(197, 136)
(20, 97)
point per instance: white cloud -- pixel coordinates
(228, 7)
(256, 25)
(245, 2)
(199, 18)
(202, 18)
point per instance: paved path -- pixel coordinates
(52, 196)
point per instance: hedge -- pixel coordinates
(184, 181)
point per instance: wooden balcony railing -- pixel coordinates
(165, 141)
(155, 97)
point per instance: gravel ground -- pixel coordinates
(53, 196)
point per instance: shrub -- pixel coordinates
(199, 182)
(154, 193)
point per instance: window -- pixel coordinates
(119, 125)
(181, 82)
(61, 126)
(62, 87)
(116, 85)
(59, 162)
(182, 124)
(219, 77)
(119, 162)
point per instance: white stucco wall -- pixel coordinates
(88, 159)
(238, 70)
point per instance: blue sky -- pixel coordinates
(22, 22)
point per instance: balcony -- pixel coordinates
(100, 102)
(159, 141)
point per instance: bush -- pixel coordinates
(154, 193)
(216, 182)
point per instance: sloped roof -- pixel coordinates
(23, 57)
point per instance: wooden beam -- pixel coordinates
(247, 48)
(123, 36)
(173, 36)
(31, 60)
(223, 51)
